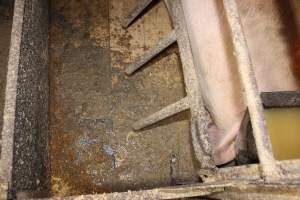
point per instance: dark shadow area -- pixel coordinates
(289, 31)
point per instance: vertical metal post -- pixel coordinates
(269, 169)
(6, 160)
(199, 115)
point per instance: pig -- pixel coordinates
(269, 34)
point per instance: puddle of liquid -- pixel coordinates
(284, 129)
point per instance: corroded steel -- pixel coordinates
(228, 183)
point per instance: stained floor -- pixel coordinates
(93, 103)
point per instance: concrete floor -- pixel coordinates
(93, 103)
(5, 30)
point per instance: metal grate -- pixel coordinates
(268, 168)
(193, 101)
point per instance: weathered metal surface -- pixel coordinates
(199, 116)
(260, 191)
(162, 44)
(93, 104)
(252, 173)
(262, 140)
(245, 182)
(31, 136)
(24, 156)
(281, 99)
(141, 6)
(6, 161)
(221, 190)
(175, 192)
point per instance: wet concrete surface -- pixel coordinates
(93, 103)
(5, 30)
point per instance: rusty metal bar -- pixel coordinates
(142, 5)
(262, 140)
(162, 44)
(164, 113)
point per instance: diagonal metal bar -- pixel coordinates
(150, 54)
(199, 115)
(166, 112)
(142, 5)
(246, 72)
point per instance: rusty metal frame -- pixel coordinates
(268, 169)
(246, 178)
(251, 186)
(262, 180)
(193, 101)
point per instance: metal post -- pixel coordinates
(256, 111)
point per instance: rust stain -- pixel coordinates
(71, 161)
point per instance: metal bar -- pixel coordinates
(166, 112)
(142, 5)
(262, 140)
(199, 115)
(195, 190)
(162, 44)
(6, 161)
(251, 172)
(280, 99)
(259, 190)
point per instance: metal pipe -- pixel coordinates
(256, 111)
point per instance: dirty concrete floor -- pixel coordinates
(93, 103)
(5, 30)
